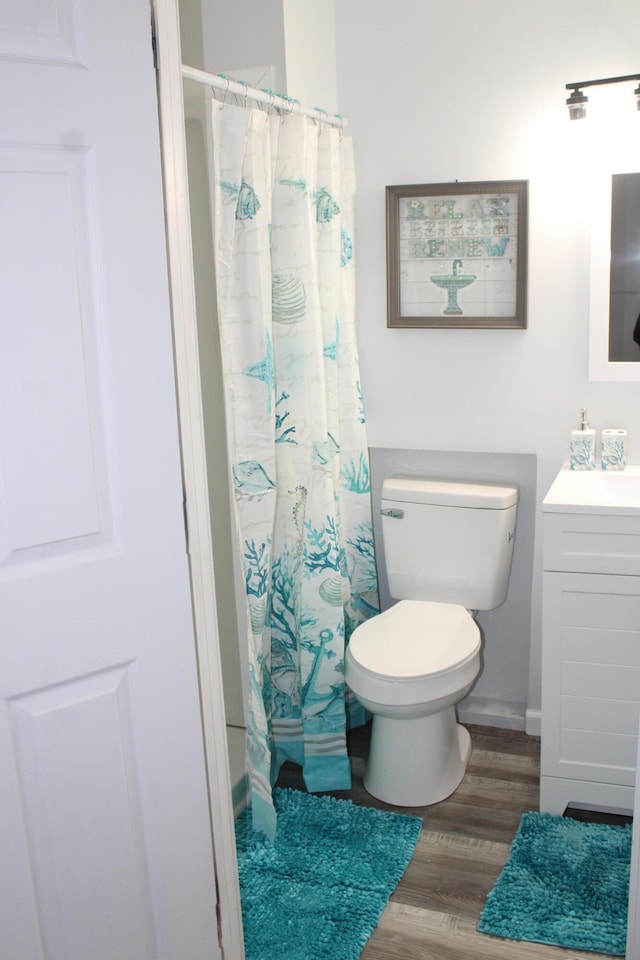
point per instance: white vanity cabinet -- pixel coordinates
(590, 640)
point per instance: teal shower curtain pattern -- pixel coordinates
(283, 238)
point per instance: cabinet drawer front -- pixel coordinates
(592, 544)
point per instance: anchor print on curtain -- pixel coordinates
(283, 214)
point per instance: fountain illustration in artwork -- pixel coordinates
(452, 283)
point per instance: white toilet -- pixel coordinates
(448, 548)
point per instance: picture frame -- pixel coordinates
(457, 254)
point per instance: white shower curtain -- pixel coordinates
(283, 239)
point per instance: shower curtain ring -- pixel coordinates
(226, 90)
(216, 92)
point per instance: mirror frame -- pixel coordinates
(600, 367)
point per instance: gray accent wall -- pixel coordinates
(500, 694)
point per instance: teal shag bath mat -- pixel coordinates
(565, 883)
(317, 891)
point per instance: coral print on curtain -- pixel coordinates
(284, 190)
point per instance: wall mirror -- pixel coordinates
(615, 278)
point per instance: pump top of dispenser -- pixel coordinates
(583, 445)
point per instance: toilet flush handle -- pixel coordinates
(392, 512)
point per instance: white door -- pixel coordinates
(105, 846)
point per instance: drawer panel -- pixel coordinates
(604, 604)
(592, 544)
(600, 680)
(617, 647)
(606, 758)
(599, 716)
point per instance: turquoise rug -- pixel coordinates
(565, 883)
(317, 891)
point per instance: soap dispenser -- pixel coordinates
(583, 445)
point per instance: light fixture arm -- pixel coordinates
(599, 83)
(577, 102)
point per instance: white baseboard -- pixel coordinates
(534, 722)
(239, 780)
(240, 796)
(490, 712)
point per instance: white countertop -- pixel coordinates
(595, 491)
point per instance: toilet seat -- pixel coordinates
(415, 639)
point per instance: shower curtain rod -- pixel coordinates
(261, 96)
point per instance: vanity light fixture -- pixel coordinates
(577, 102)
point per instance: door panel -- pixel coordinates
(105, 833)
(49, 370)
(88, 840)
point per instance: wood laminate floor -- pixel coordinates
(464, 843)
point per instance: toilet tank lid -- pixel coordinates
(451, 493)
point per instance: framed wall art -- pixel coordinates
(457, 254)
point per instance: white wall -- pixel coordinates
(286, 45)
(309, 30)
(191, 33)
(437, 92)
(244, 34)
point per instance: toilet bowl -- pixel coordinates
(409, 666)
(447, 550)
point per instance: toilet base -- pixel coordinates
(414, 762)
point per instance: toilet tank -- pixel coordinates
(448, 541)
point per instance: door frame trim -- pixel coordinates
(194, 470)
